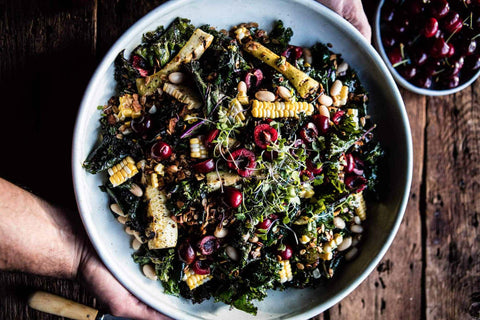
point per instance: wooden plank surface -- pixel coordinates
(48, 51)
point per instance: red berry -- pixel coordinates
(395, 55)
(322, 122)
(232, 197)
(440, 8)
(201, 267)
(286, 253)
(439, 48)
(161, 151)
(211, 135)
(186, 252)
(207, 245)
(430, 28)
(265, 224)
(338, 116)
(264, 134)
(204, 166)
(453, 22)
(242, 160)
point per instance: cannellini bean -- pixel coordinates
(116, 209)
(346, 243)
(264, 95)
(136, 244)
(323, 110)
(284, 93)
(351, 254)
(136, 190)
(336, 88)
(122, 219)
(357, 220)
(242, 86)
(176, 77)
(232, 253)
(325, 100)
(342, 67)
(338, 238)
(149, 272)
(307, 54)
(129, 231)
(339, 223)
(356, 228)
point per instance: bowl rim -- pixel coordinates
(398, 78)
(78, 170)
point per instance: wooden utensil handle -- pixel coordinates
(50, 303)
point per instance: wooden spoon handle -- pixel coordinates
(50, 303)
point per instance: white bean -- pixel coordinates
(136, 190)
(232, 253)
(149, 272)
(346, 243)
(242, 86)
(264, 95)
(342, 67)
(284, 93)
(176, 77)
(351, 254)
(220, 232)
(356, 228)
(323, 110)
(339, 223)
(307, 54)
(136, 244)
(336, 88)
(325, 100)
(357, 220)
(122, 219)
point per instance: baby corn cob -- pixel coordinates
(122, 171)
(197, 149)
(262, 109)
(236, 110)
(193, 50)
(165, 230)
(286, 271)
(361, 209)
(194, 280)
(183, 94)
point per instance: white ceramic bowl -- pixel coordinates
(311, 22)
(377, 39)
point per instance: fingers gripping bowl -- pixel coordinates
(386, 108)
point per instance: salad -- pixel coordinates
(237, 161)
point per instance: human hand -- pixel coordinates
(352, 11)
(93, 274)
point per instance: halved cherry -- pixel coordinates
(338, 116)
(208, 245)
(354, 164)
(322, 122)
(186, 252)
(242, 160)
(265, 224)
(201, 267)
(264, 134)
(204, 166)
(314, 168)
(286, 253)
(161, 150)
(211, 135)
(309, 132)
(354, 182)
(257, 74)
(139, 64)
(293, 53)
(232, 197)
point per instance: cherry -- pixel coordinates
(292, 53)
(306, 175)
(140, 64)
(388, 40)
(338, 116)
(207, 245)
(242, 160)
(415, 7)
(452, 22)
(395, 55)
(265, 224)
(419, 57)
(388, 12)
(211, 135)
(141, 124)
(451, 51)
(408, 72)
(264, 135)
(401, 23)
(322, 122)
(453, 81)
(232, 197)
(456, 66)
(286, 253)
(430, 28)
(204, 166)
(309, 132)
(186, 252)
(200, 267)
(439, 48)
(354, 182)
(161, 151)
(439, 8)
(424, 81)
(468, 47)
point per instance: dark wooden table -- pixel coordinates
(49, 50)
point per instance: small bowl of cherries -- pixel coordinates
(432, 47)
